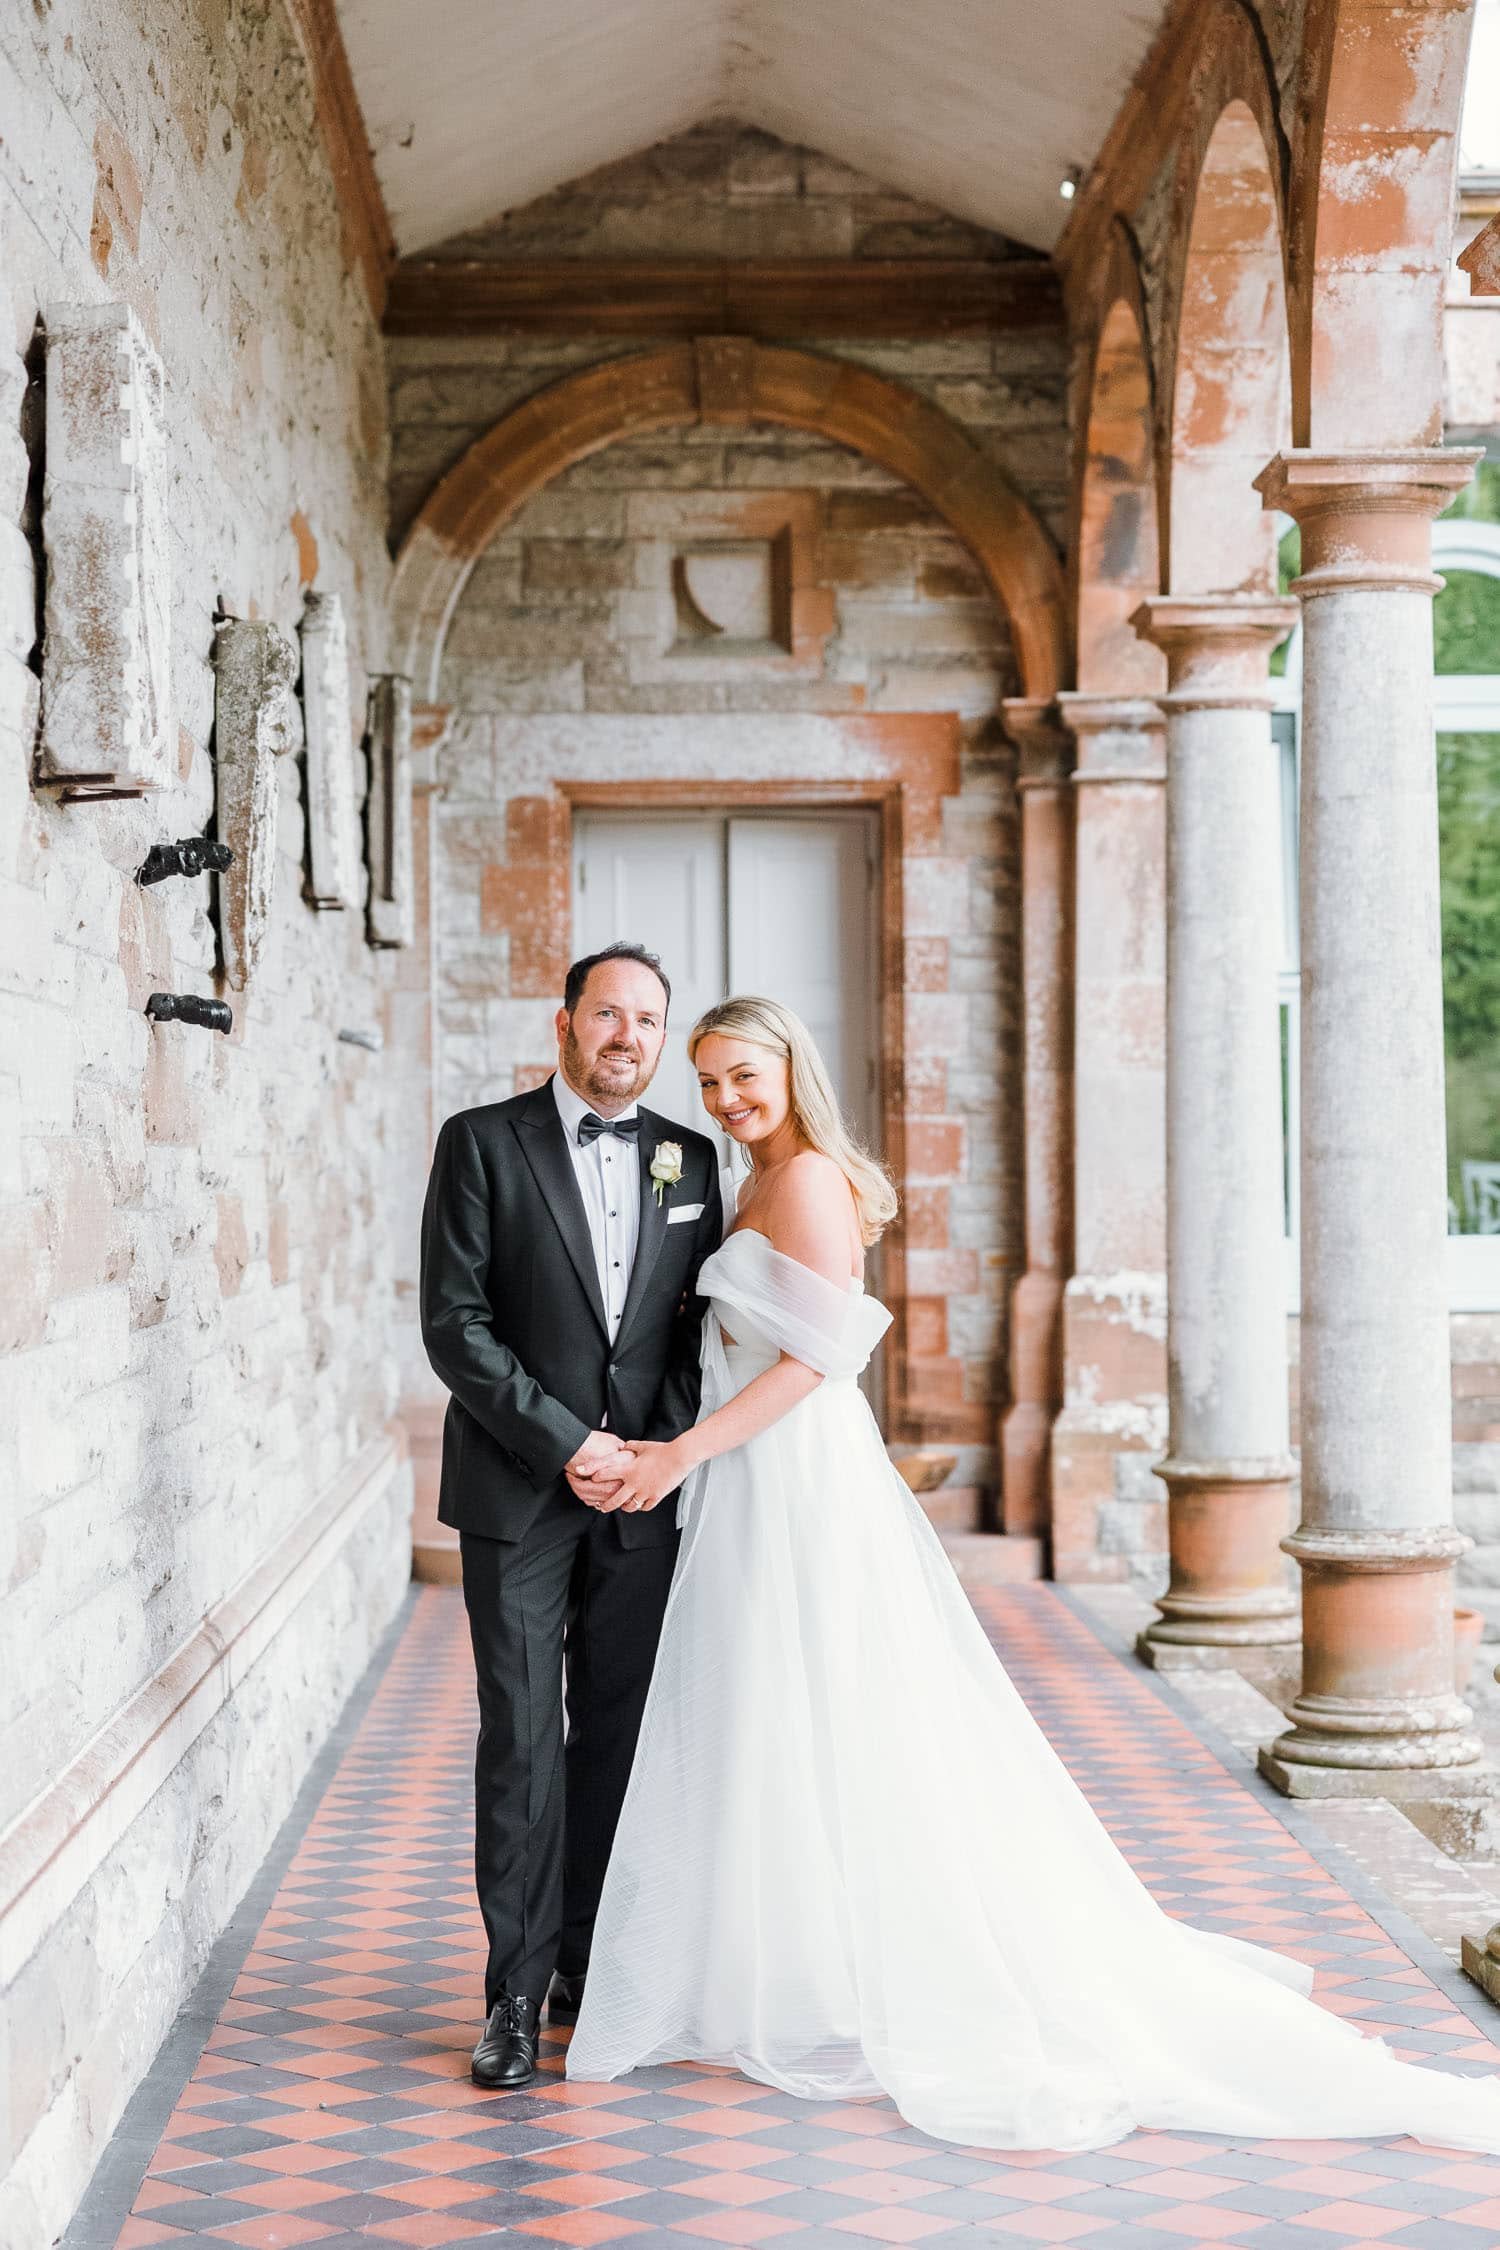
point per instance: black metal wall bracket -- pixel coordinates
(190, 1007)
(190, 855)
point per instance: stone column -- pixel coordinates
(1107, 1508)
(1377, 1713)
(1228, 1469)
(1044, 785)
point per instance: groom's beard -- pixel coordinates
(624, 1080)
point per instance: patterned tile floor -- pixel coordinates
(331, 2105)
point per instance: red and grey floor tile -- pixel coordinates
(316, 2090)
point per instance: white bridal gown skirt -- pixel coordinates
(850, 1864)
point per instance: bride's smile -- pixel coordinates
(746, 1091)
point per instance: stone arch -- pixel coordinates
(732, 381)
(1371, 221)
(1117, 547)
(1229, 408)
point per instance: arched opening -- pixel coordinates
(728, 381)
(1231, 397)
(1118, 546)
(645, 733)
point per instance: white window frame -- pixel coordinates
(1464, 703)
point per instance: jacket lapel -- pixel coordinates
(653, 1227)
(544, 1145)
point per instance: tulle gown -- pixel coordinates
(850, 1864)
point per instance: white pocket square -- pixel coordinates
(680, 1211)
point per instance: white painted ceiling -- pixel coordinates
(981, 106)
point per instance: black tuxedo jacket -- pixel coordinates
(514, 1323)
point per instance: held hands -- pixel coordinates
(595, 1469)
(608, 1475)
(647, 1473)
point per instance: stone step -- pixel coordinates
(953, 1507)
(993, 1558)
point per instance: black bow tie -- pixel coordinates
(590, 1127)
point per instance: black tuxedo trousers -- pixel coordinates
(514, 1325)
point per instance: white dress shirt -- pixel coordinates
(608, 1172)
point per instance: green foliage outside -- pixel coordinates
(1466, 639)
(1480, 499)
(1288, 564)
(1466, 623)
(1468, 774)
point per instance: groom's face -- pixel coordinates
(611, 1044)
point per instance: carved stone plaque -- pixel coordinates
(332, 835)
(256, 721)
(388, 816)
(106, 666)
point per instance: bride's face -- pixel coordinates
(745, 1088)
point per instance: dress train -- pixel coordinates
(849, 1863)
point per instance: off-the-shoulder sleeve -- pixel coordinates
(830, 1329)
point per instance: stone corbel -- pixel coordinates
(107, 678)
(332, 836)
(391, 909)
(256, 721)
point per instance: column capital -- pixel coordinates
(1119, 737)
(1365, 513)
(1035, 725)
(1217, 646)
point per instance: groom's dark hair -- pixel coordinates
(578, 974)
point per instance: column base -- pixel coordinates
(1226, 1521)
(1025, 1466)
(1376, 1701)
(1476, 1783)
(1160, 1653)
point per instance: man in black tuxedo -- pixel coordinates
(559, 1308)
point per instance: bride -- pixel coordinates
(849, 1863)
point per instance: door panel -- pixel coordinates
(658, 882)
(800, 931)
(772, 904)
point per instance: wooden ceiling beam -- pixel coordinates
(772, 299)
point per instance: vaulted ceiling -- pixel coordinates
(981, 106)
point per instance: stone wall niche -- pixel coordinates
(106, 680)
(332, 831)
(256, 721)
(388, 815)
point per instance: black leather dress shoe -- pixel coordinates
(506, 2054)
(565, 1998)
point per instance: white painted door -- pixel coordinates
(782, 905)
(801, 930)
(658, 882)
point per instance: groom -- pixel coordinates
(561, 1241)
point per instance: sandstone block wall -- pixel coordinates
(195, 1333)
(564, 627)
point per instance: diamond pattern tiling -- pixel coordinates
(331, 2105)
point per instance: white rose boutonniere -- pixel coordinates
(666, 1166)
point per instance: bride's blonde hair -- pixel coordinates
(815, 1108)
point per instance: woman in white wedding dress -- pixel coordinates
(849, 1863)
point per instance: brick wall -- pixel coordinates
(197, 1340)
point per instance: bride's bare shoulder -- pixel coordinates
(809, 1213)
